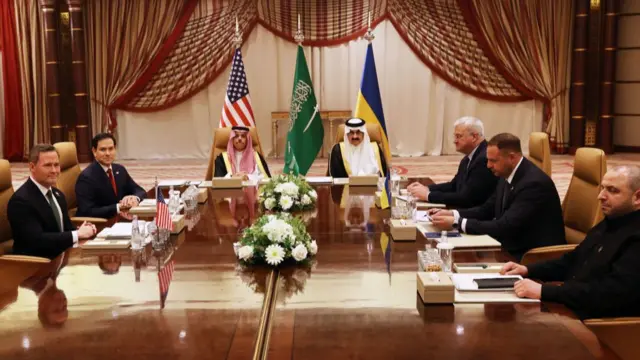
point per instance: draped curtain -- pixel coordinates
(531, 43)
(123, 37)
(420, 107)
(1, 105)
(30, 35)
(12, 116)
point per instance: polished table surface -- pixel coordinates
(357, 299)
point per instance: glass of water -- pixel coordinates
(395, 182)
(446, 254)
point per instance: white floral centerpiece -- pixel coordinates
(287, 193)
(274, 240)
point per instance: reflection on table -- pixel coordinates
(356, 300)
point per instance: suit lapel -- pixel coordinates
(104, 178)
(41, 205)
(508, 192)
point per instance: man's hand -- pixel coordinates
(418, 191)
(130, 201)
(441, 212)
(528, 288)
(242, 174)
(86, 231)
(512, 268)
(443, 222)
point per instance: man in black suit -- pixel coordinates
(523, 213)
(474, 183)
(37, 211)
(104, 188)
(601, 275)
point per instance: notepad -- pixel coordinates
(106, 244)
(121, 230)
(340, 181)
(319, 179)
(467, 282)
(168, 183)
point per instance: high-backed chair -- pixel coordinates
(540, 151)
(69, 172)
(580, 209)
(375, 134)
(619, 334)
(220, 140)
(14, 269)
(6, 191)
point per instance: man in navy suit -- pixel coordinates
(104, 188)
(474, 183)
(38, 212)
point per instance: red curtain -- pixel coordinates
(13, 137)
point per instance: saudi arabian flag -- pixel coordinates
(306, 132)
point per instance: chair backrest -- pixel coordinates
(220, 140)
(540, 151)
(69, 172)
(581, 208)
(14, 269)
(375, 134)
(619, 334)
(6, 191)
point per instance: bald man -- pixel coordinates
(601, 276)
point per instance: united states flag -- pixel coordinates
(237, 109)
(164, 278)
(163, 218)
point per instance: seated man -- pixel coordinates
(356, 155)
(474, 183)
(240, 160)
(601, 275)
(523, 213)
(105, 188)
(38, 212)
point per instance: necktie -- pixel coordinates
(54, 209)
(505, 195)
(464, 166)
(113, 181)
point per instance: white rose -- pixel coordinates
(236, 246)
(313, 194)
(286, 202)
(269, 203)
(245, 252)
(277, 230)
(313, 247)
(306, 200)
(299, 252)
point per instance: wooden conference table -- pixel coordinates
(357, 300)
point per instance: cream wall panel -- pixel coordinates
(626, 130)
(627, 98)
(628, 30)
(628, 65)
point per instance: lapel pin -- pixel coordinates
(117, 172)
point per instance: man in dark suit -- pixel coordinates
(523, 213)
(104, 188)
(601, 275)
(474, 183)
(37, 211)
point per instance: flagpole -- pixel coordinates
(237, 37)
(369, 34)
(299, 36)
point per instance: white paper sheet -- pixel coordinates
(483, 297)
(319, 179)
(464, 282)
(121, 230)
(168, 183)
(340, 181)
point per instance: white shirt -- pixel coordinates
(456, 214)
(44, 192)
(255, 175)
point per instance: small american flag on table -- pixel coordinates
(164, 278)
(237, 110)
(163, 218)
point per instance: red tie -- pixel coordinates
(113, 181)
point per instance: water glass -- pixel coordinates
(395, 182)
(446, 254)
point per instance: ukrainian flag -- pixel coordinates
(369, 109)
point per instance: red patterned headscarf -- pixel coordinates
(248, 161)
